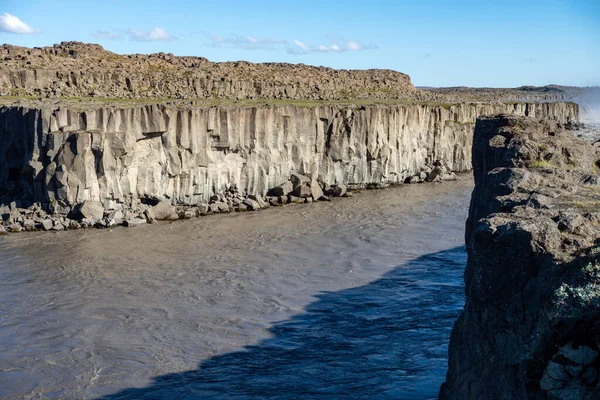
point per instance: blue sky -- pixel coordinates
(498, 43)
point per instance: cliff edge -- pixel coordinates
(530, 328)
(74, 69)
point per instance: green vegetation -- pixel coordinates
(540, 164)
(216, 101)
(576, 300)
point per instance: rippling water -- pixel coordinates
(349, 299)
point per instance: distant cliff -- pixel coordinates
(184, 155)
(530, 328)
(73, 69)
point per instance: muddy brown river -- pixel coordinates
(354, 299)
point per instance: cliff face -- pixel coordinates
(73, 69)
(184, 155)
(530, 326)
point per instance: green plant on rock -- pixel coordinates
(540, 164)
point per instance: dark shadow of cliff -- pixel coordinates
(384, 340)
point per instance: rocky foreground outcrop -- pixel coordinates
(530, 328)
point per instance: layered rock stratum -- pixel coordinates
(84, 129)
(530, 328)
(185, 155)
(73, 69)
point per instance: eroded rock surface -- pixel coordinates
(73, 69)
(64, 156)
(530, 328)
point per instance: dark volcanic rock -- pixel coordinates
(531, 322)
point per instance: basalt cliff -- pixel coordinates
(90, 135)
(530, 328)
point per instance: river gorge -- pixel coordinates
(326, 289)
(354, 296)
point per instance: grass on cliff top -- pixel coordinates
(73, 101)
(540, 164)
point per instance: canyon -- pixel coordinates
(90, 138)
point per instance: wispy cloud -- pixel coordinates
(12, 24)
(299, 47)
(155, 35)
(292, 47)
(244, 42)
(109, 35)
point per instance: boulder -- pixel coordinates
(581, 355)
(259, 200)
(413, 179)
(315, 190)
(15, 228)
(274, 201)
(29, 224)
(91, 209)
(47, 224)
(294, 199)
(4, 212)
(203, 208)
(2, 230)
(282, 190)
(163, 211)
(214, 208)
(130, 223)
(435, 173)
(298, 179)
(338, 190)
(252, 205)
(303, 191)
(189, 213)
(448, 176)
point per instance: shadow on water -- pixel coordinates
(384, 340)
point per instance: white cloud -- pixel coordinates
(354, 46)
(351, 45)
(12, 24)
(155, 35)
(244, 42)
(301, 45)
(293, 47)
(110, 35)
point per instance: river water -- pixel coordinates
(354, 298)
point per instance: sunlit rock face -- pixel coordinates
(184, 155)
